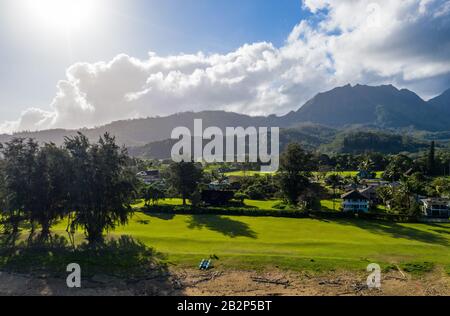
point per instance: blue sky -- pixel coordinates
(85, 63)
(33, 62)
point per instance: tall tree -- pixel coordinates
(101, 188)
(19, 164)
(49, 185)
(385, 193)
(153, 193)
(3, 194)
(184, 178)
(431, 163)
(442, 186)
(334, 180)
(404, 194)
(397, 167)
(295, 167)
(367, 164)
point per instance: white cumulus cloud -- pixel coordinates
(406, 43)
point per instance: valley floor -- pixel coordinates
(265, 256)
(319, 245)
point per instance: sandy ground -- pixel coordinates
(233, 283)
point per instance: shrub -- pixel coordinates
(240, 197)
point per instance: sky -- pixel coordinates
(84, 63)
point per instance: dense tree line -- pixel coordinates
(305, 177)
(89, 184)
(92, 185)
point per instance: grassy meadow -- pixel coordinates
(264, 242)
(343, 174)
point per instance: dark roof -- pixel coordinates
(354, 195)
(151, 172)
(369, 189)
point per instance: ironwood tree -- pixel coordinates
(101, 186)
(295, 167)
(50, 188)
(19, 164)
(184, 178)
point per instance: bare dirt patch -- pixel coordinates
(235, 283)
(281, 283)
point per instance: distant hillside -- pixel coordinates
(311, 136)
(383, 106)
(315, 137)
(442, 103)
(363, 141)
(140, 132)
(315, 123)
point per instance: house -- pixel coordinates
(149, 176)
(219, 185)
(408, 172)
(350, 187)
(235, 183)
(436, 207)
(354, 201)
(395, 184)
(371, 193)
(364, 174)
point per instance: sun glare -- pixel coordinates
(62, 14)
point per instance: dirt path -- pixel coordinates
(233, 283)
(303, 284)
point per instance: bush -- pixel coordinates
(287, 212)
(213, 197)
(259, 187)
(240, 197)
(280, 206)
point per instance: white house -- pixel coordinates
(354, 201)
(436, 207)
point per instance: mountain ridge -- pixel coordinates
(383, 107)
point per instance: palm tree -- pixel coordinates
(406, 190)
(385, 193)
(334, 180)
(442, 186)
(367, 165)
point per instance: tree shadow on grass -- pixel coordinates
(163, 216)
(224, 225)
(122, 266)
(122, 258)
(440, 229)
(396, 230)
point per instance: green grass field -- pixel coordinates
(327, 205)
(247, 173)
(262, 242)
(262, 205)
(253, 173)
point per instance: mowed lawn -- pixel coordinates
(247, 173)
(264, 242)
(241, 173)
